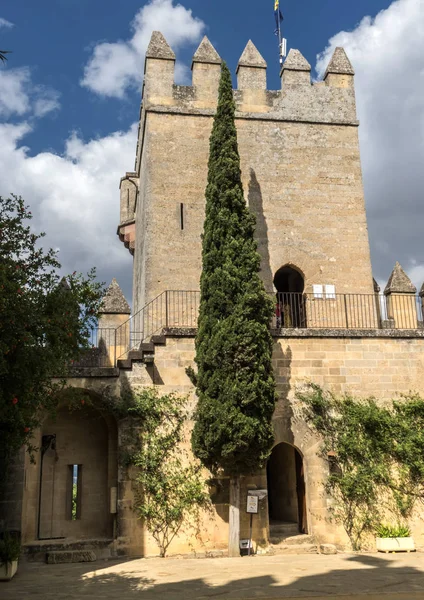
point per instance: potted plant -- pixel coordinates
(394, 538)
(10, 549)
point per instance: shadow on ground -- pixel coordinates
(366, 575)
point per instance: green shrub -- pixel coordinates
(393, 531)
(10, 549)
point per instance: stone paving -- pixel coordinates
(370, 576)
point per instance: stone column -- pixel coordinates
(114, 327)
(296, 70)
(206, 67)
(339, 72)
(401, 300)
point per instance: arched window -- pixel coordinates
(290, 306)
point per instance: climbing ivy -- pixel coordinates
(172, 490)
(376, 456)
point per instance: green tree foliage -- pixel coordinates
(376, 455)
(44, 325)
(234, 381)
(172, 490)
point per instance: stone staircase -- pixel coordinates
(145, 354)
(286, 539)
(68, 551)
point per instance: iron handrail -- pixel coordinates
(179, 309)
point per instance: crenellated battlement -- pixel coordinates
(329, 101)
(300, 166)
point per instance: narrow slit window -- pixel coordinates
(182, 216)
(74, 492)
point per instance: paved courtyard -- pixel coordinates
(389, 577)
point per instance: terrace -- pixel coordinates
(295, 314)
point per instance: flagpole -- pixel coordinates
(280, 39)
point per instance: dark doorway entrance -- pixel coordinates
(290, 285)
(286, 489)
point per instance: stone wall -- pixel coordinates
(300, 168)
(367, 363)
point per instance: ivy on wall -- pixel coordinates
(375, 453)
(170, 489)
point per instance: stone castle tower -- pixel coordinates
(302, 178)
(300, 165)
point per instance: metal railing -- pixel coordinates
(347, 311)
(101, 351)
(180, 308)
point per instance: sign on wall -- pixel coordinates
(252, 505)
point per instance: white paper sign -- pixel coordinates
(252, 505)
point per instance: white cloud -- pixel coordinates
(73, 197)
(5, 23)
(387, 53)
(19, 96)
(115, 67)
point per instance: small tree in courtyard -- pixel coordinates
(234, 380)
(172, 490)
(44, 324)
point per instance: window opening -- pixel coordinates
(182, 216)
(74, 499)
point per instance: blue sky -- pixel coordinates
(70, 95)
(54, 38)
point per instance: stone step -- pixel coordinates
(38, 551)
(70, 556)
(294, 549)
(283, 529)
(147, 347)
(293, 540)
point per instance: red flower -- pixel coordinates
(26, 429)
(83, 402)
(15, 401)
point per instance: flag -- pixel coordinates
(278, 15)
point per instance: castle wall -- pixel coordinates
(301, 174)
(363, 365)
(302, 181)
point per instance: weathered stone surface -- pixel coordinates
(295, 61)
(251, 57)
(72, 556)
(376, 286)
(159, 47)
(114, 301)
(422, 291)
(327, 549)
(399, 282)
(296, 549)
(206, 53)
(339, 63)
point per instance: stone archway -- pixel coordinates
(286, 491)
(290, 284)
(69, 490)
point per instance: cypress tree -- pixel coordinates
(234, 380)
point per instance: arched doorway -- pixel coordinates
(77, 469)
(290, 285)
(286, 490)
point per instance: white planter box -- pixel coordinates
(8, 571)
(395, 544)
